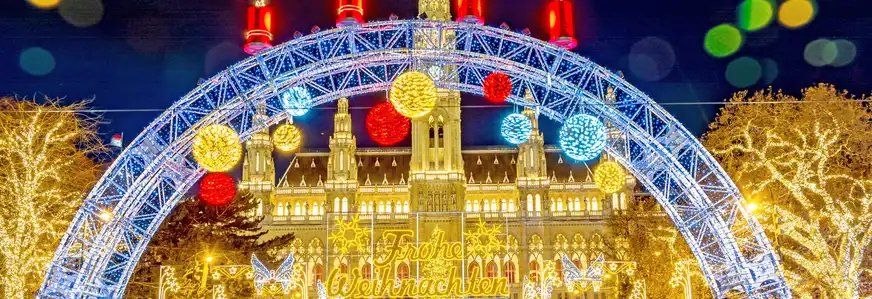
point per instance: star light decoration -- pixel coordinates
(217, 189)
(385, 125)
(349, 235)
(287, 138)
(516, 128)
(609, 177)
(483, 242)
(297, 101)
(497, 87)
(217, 148)
(583, 137)
(413, 94)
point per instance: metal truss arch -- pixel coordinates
(97, 255)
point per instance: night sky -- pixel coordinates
(146, 54)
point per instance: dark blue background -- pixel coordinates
(148, 53)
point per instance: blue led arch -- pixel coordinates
(97, 256)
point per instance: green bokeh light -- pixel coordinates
(821, 52)
(723, 40)
(743, 72)
(846, 52)
(754, 15)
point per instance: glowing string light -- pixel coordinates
(609, 177)
(297, 101)
(413, 94)
(287, 138)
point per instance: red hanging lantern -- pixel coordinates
(561, 24)
(385, 125)
(350, 12)
(469, 11)
(497, 87)
(258, 36)
(217, 189)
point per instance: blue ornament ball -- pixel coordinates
(583, 137)
(517, 128)
(297, 101)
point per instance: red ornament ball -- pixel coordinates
(217, 189)
(497, 87)
(385, 125)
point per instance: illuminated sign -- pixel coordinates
(440, 262)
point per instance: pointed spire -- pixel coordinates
(571, 177)
(496, 161)
(303, 181)
(506, 177)
(359, 163)
(553, 176)
(313, 164)
(343, 106)
(296, 163)
(377, 164)
(471, 179)
(385, 180)
(394, 163)
(367, 182)
(488, 180)
(478, 162)
(587, 179)
(513, 161)
(402, 179)
(559, 159)
(320, 182)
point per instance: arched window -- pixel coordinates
(344, 204)
(381, 207)
(336, 205)
(372, 207)
(509, 271)
(468, 205)
(305, 208)
(485, 205)
(403, 271)
(318, 273)
(577, 263)
(388, 207)
(511, 205)
(587, 203)
(475, 205)
(594, 204)
(492, 270)
(534, 271)
(279, 209)
(367, 271)
(406, 206)
(297, 209)
(616, 205)
(363, 208)
(623, 201)
(343, 269)
(529, 202)
(472, 269)
(559, 204)
(577, 204)
(558, 267)
(503, 206)
(538, 203)
(399, 206)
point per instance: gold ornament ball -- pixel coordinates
(609, 177)
(413, 94)
(287, 137)
(217, 148)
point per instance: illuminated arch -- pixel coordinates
(96, 257)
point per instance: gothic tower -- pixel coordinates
(341, 186)
(532, 179)
(437, 177)
(258, 170)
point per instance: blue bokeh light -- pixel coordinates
(297, 101)
(516, 128)
(583, 137)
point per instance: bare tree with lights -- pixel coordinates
(46, 153)
(806, 167)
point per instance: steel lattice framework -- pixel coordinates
(97, 256)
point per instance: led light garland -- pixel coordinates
(385, 125)
(583, 137)
(217, 148)
(497, 87)
(516, 128)
(609, 177)
(287, 138)
(217, 189)
(413, 94)
(297, 101)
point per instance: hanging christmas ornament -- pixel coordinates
(497, 87)
(385, 125)
(287, 138)
(217, 148)
(217, 189)
(516, 128)
(297, 100)
(413, 94)
(583, 137)
(609, 177)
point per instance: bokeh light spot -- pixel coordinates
(796, 13)
(753, 15)
(44, 4)
(723, 40)
(770, 70)
(651, 59)
(743, 72)
(36, 61)
(81, 13)
(846, 51)
(820, 52)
